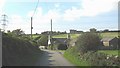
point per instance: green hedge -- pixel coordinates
(74, 58)
(18, 52)
(90, 58)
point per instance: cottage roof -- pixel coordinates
(106, 39)
(60, 40)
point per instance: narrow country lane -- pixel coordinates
(52, 58)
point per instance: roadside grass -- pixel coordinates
(72, 56)
(110, 52)
(75, 59)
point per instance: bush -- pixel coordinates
(88, 42)
(72, 55)
(17, 52)
(85, 52)
(43, 41)
(96, 59)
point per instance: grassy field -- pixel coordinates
(110, 52)
(35, 36)
(109, 34)
(103, 35)
(65, 36)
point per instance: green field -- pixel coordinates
(35, 36)
(103, 35)
(109, 52)
(65, 36)
(109, 34)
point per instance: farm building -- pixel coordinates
(60, 42)
(75, 32)
(93, 30)
(110, 42)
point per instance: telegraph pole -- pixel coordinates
(51, 34)
(4, 20)
(51, 26)
(68, 39)
(31, 27)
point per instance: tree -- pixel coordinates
(18, 32)
(92, 30)
(106, 30)
(87, 42)
(8, 31)
(119, 42)
(43, 41)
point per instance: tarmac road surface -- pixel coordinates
(52, 58)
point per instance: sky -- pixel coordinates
(66, 14)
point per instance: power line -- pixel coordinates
(35, 8)
(31, 27)
(33, 16)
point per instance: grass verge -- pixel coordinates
(109, 52)
(76, 60)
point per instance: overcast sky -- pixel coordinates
(75, 14)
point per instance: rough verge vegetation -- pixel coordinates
(18, 51)
(85, 52)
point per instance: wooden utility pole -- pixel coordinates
(68, 39)
(51, 26)
(51, 34)
(31, 27)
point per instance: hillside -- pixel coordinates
(109, 34)
(103, 35)
(65, 36)
(18, 52)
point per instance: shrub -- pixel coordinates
(17, 52)
(72, 55)
(87, 42)
(43, 41)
